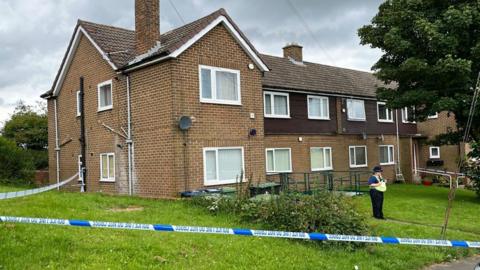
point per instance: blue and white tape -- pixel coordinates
(243, 232)
(23, 193)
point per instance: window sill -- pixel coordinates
(103, 109)
(387, 164)
(318, 118)
(356, 120)
(273, 173)
(277, 117)
(107, 181)
(322, 170)
(221, 102)
(222, 183)
(385, 121)
(359, 166)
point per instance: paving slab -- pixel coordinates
(472, 263)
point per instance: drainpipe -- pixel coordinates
(129, 138)
(399, 169)
(57, 148)
(83, 145)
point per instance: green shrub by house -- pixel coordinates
(16, 165)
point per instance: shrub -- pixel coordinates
(16, 165)
(472, 166)
(321, 212)
(40, 158)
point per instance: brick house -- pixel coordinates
(119, 96)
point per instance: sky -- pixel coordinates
(34, 34)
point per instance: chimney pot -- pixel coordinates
(294, 51)
(147, 25)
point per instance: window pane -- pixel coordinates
(352, 156)
(104, 167)
(317, 158)
(268, 104)
(360, 156)
(314, 107)
(325, 107)
(106, 95)
(211, 165)
(227, 86)
(270, 161)
(229, 164)
(384, 154)
(206, 83)
(356, 109)
(382, 112)
(111, 166)
(282, 160)
(280, 103)
(390, 149)
(328, 156)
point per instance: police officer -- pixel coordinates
(377, 188)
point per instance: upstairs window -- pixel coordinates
(219, 85)
(321, 158)
(79, 112)
(408, 115)
(279, 160)
(434, 152)
(105, 101)
(386, 155)
(358, 156)
(356, 110)
(384, 113)
(318, 108)
(276, 105)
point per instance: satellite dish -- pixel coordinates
(185, 123)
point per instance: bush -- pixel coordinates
(40, 158)
(321, 212)
(472, 166)
(16, 165)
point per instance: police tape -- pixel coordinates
(243, 232)
(23, 193)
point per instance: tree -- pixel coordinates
(431, 57)
(27, 128)
(16, 165)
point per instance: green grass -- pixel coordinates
(38, 247)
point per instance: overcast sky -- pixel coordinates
(34, 34)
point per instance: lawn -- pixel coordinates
(39, 247)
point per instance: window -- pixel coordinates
(384, 114)
(279, 160)
(408, 114)
(105, 96)
(219, 85)
(386, 155)
(433, 116)
(356, 109)
(80, 174)
(107, 167)
(79, 112)
(222, 165)
(321, 158)
(318, 108)
(276, 105)
(434, 152)
(358, 156)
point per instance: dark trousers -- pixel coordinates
(377, 203)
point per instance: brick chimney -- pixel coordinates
(294, 51)
(147, 24)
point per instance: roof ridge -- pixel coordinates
(320, 64)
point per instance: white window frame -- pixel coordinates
(109, 179)
(272, 105)
(80, 176)
(100, 85)
(433, 116)
(324, 158)
(430, 151)
(405, 115)
(79, 113)
(321, 98)
(389, 113)
(354, 156)
(220, 182)
(348, 111)
(213, 84)
(391, 159)
(274, 163)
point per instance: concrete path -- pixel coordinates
(464, 264)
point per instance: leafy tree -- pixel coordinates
(16, 165)
(27, 128)
(431, 57)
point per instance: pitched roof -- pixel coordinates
(305, 76)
